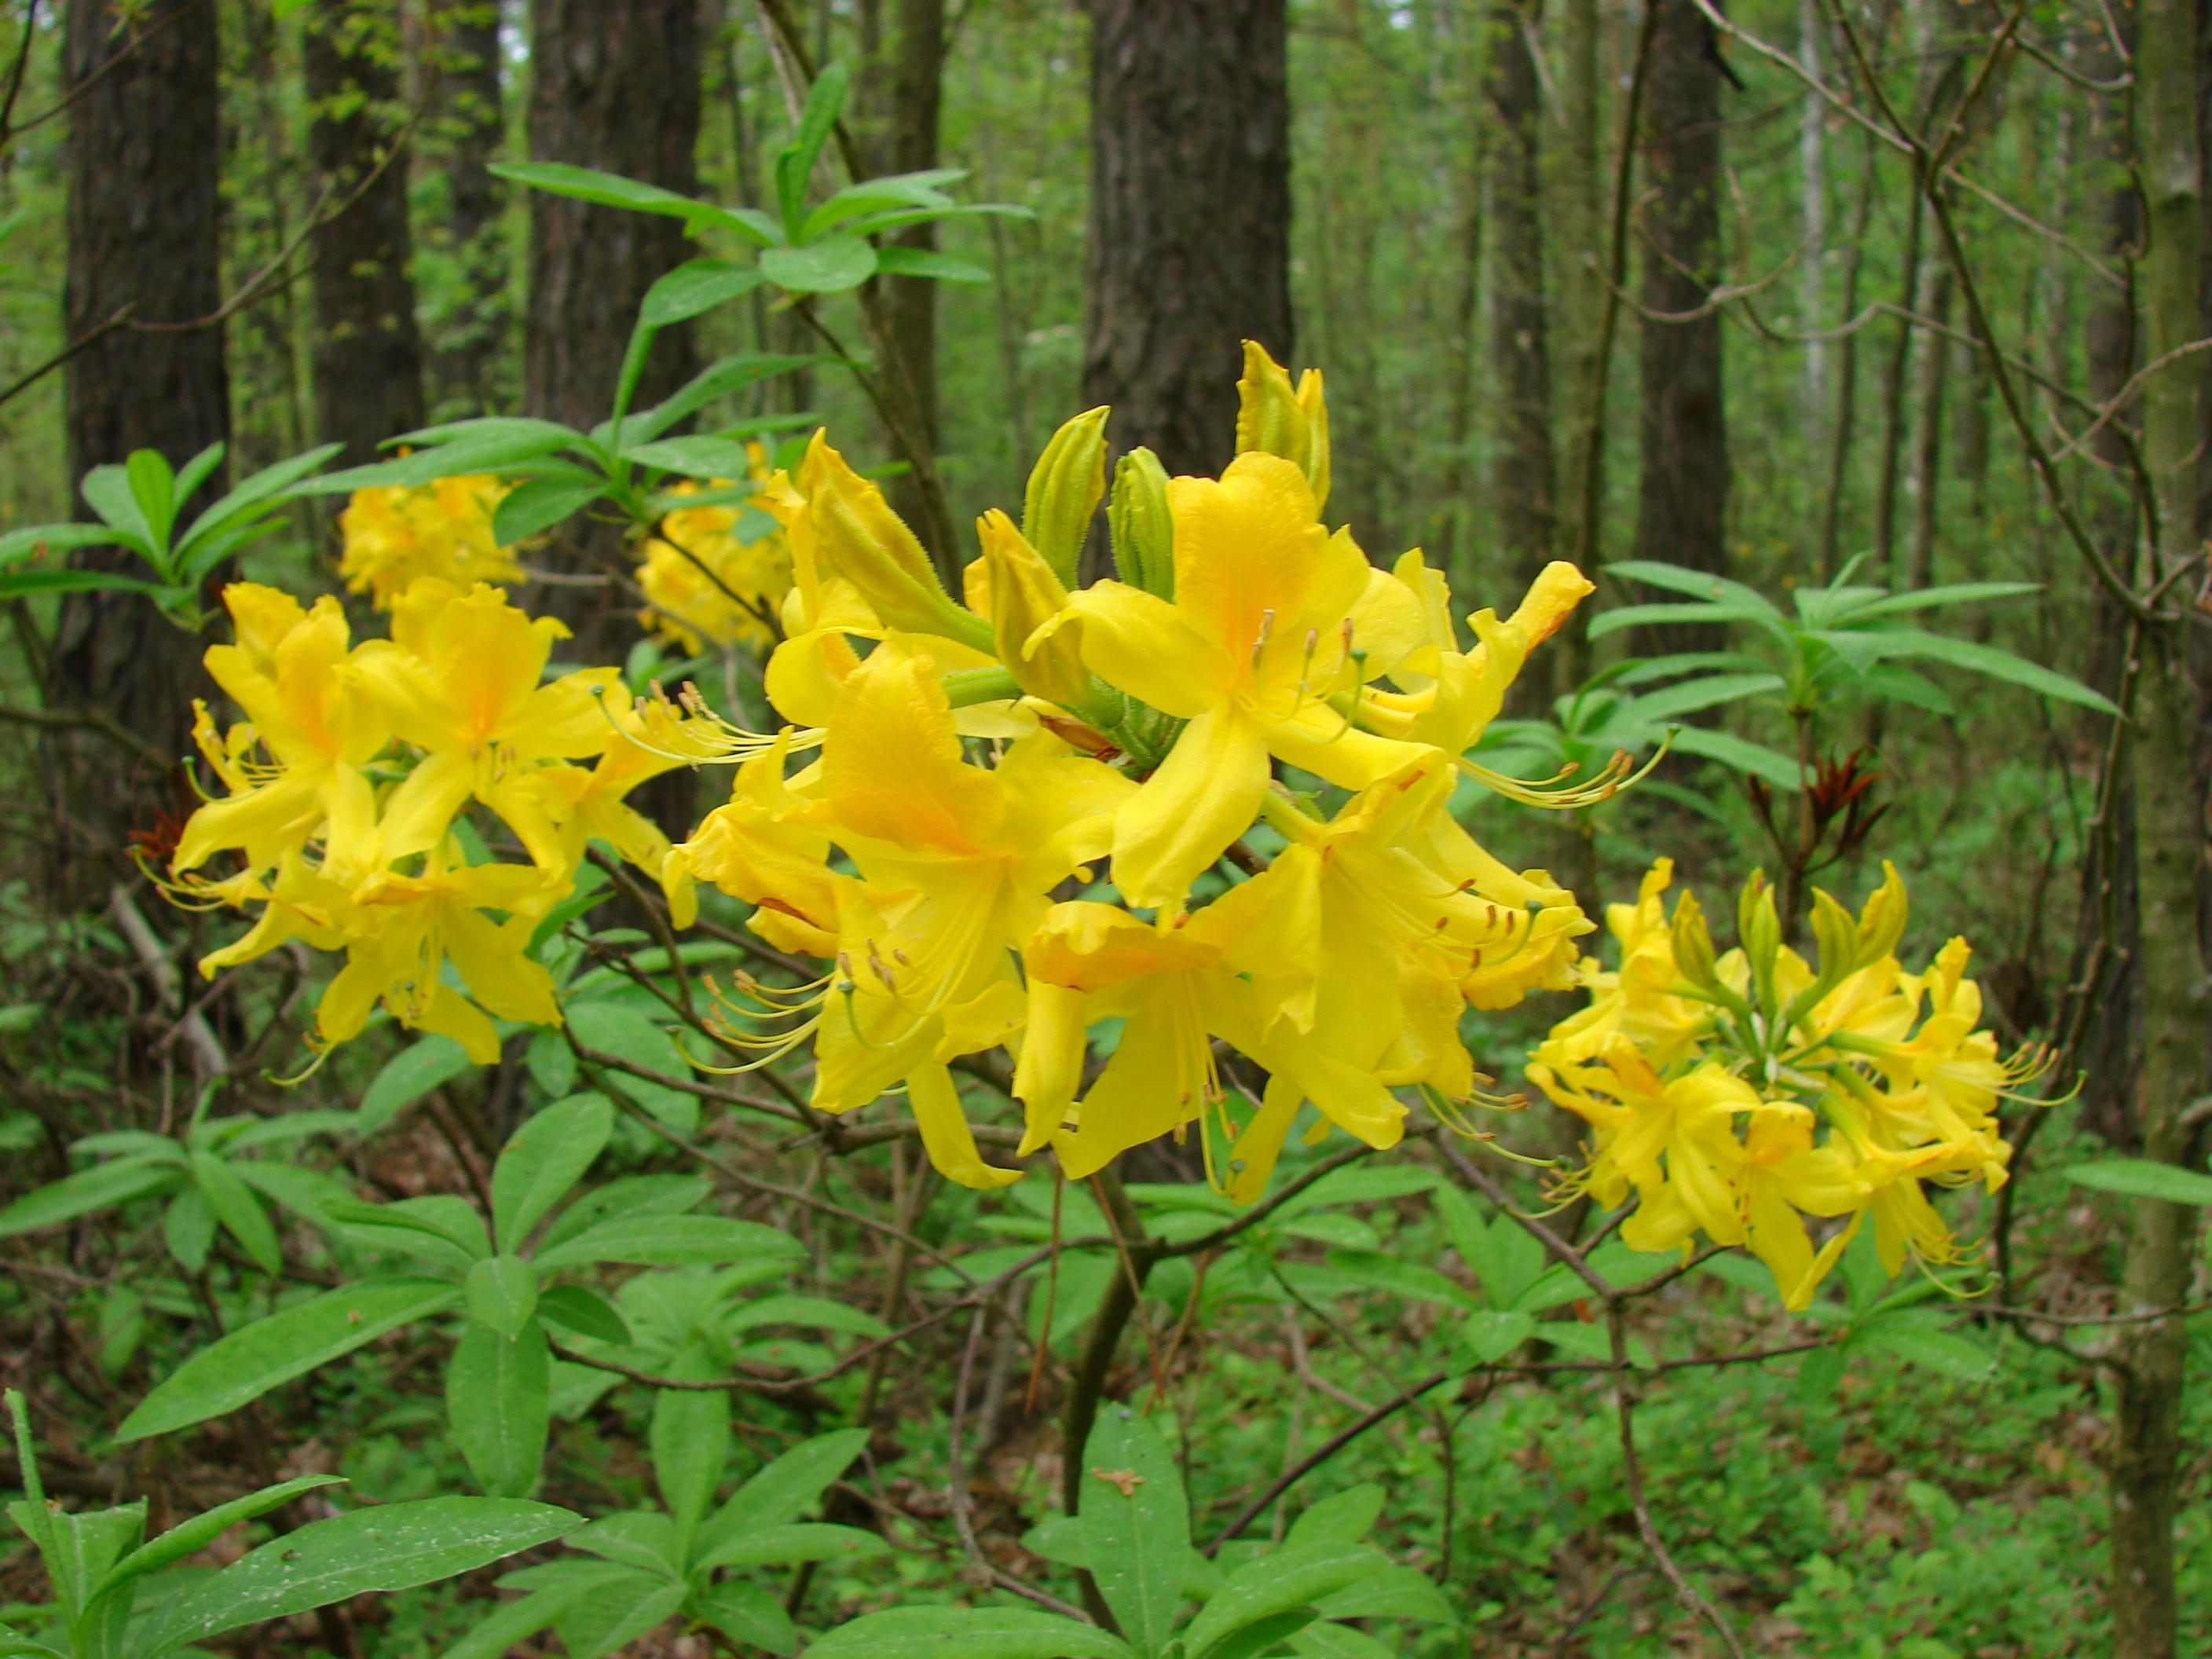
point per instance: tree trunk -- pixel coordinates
(1812, 221)
(1521, 477)
(1190, 217)
(614, 88)
(2145, 1457)
(369, 351)
(1681, 513)
(1928, 447)
(143, 161)
(1572, 212)
(914, 59)
(468, 355)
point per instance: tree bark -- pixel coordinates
(143, 162)
(468, 351)
(2146, 1453)
(614, 88)
(1681, 513)
(1190, 217)
(1928, 445)
(368, 350)
(1521, 475)
(913, 94)
(1571, 208)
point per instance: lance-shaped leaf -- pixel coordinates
(971, 1633)
(1136, 1527)
(248, 1362)
(101, 1187)
(668, 1241)
(545, 1158)
(499, 1400)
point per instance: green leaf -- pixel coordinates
(1262, 1635)
(1755, 759)
(446, 460)
(1400, 1276)
(695, 286)
(636, 1538)
(783, 1490)
(390, 1547)
(690, 1442)
(1490, 1335)
(54, 538)
(248, 1362)
(1987, 660)
(1276, 1583)
(100, 1188)
(23, 584)
(502, 1293)
(498, 1399)
(1362, 1185)
(545, 1158)
(718, 380)
(188, 1229)
(824, 100)
(258, 494)
(669, 1241)
(1943, 1352)
(618, 1614)
(1137, 1542)
(758, 1546)
(586, 1312)
(537, 504)
(154, 487)
(1504, 1257)
(512, 1623)
(2136, 1177)
(1625, 617)
(694, 457)
(967, 1633)
(188, 1537)
(406, 1078)
(1701, 585)
(1344, 1517)
(601, 189)
(1708, 691)
(633, 1195)
(829, 266)
(1391, 1592)
(107, 490)
(925, 262)
(440, 1228)
(746, 1612)
(239, 1211)
(631, 1036)
(1924, 598)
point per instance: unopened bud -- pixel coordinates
(1881, 923)
(1693, 945)
(1759, 927)
(858, 536)
(1142, 528)
(1025, 594)
(1274, 417)
(1065, 488)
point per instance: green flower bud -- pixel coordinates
(1760, 929)
(1272, 417)
(1142, 528)
(1064, 491)
(1693, 945)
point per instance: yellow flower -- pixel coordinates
(286, 673)
(1273, 617)
(394, 536)
(707, 586)
(1178, 985)
(459, 680)
(767, 846)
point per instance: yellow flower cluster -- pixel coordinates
(707, 586)
(394, 536)
(1735, 1096)
(980, 762)
(347, 779)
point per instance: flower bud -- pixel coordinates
(1693, 945)
(1293, 424)
(1143, 529)
(1064, 491)
(856, 533)
(1025, 594)
(1759, 927)
(1881, 923)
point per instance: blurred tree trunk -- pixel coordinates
(2146, 1453)
(1927, 444)
(614, 88)
(465, 357)
(1521, 477)
(143, 162)
(1572, 214)
(1681, 513)
(1190, 217)
(369, 351)
(911, 93)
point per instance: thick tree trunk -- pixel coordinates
(1681, 513)
(467, 350)
(1521, 475)
(614, 88)
(369, 351)
(1190, 217)
(143, 162)
(913, 94)
(2147, 1457)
